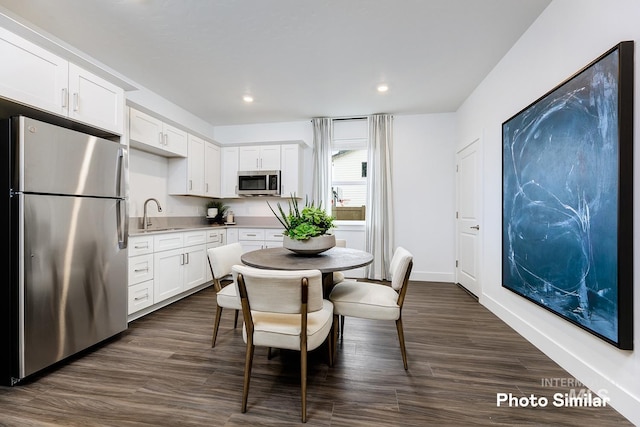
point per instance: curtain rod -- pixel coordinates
(346, 118)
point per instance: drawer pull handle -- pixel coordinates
(141, 269)
(146, 246)
(146, 296)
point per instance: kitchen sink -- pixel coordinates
(157, 230)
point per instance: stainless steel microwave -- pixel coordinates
(259, 183)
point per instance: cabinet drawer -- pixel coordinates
(164, 242)
(195, 238)
(140, 296)
(214, 236)
(274, 235)
(140, 245)
(140, 268)
(251, 234)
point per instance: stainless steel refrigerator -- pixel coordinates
(65, 225)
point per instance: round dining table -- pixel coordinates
(334, 259)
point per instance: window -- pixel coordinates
(349, 169)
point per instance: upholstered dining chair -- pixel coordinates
(221, 260)
(286, 310)
(375, 301)
(338, 276)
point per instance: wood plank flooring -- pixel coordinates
(163, 372)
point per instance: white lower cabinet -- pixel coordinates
(163, 266)
(215, 238)
(253, 239)
(140, 273)
(181, 266)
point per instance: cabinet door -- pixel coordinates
(168, 274)
(31, 75)
(230, 163)
(232, 236)
(290, 167)
(195, 166)
(212, 173)
(95, 101)
(249, 159)
(270, 157)
(175, 140)
(194, 267)
(145, 129)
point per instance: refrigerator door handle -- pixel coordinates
(122, 185)
(122, 225)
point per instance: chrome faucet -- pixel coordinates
(146, 221)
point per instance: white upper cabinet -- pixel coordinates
(212, 172)
(290, 178)
(259, 157)
(199, 173)
(195, 165)
(32, 75)
(229, 175)
(94, 100)
(35, 77)
(148, 133)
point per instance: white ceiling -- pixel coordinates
(298, 58)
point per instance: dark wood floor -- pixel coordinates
(162, 372)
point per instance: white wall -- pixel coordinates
(566, 37)
(265, 132)
(424, 193)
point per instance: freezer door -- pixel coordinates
(73, 286)
(56, 160)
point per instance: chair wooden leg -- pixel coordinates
(330, 347)
(303, 381)
(216, 325)
(342, 327)
(235, 320)
(247, 374)
(401, 338)
(334, 334)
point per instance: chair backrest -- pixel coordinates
(400, 263)
(341, 243)
(223, 258)
(280, 291)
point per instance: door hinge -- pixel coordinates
(456, 263)
(456, 214)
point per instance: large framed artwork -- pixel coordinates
(567, 201)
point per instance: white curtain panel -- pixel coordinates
(321, 184)
(379, 212)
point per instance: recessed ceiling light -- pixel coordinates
(383, 88)
(248, 98)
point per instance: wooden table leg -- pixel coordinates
(327, 284)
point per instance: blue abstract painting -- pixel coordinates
(561, 199)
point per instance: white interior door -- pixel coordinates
(468, 217)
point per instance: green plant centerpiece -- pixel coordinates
(306, 230)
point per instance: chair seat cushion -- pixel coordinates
(338, 277)
(280, 330)
(228, 297)
(366, 300)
